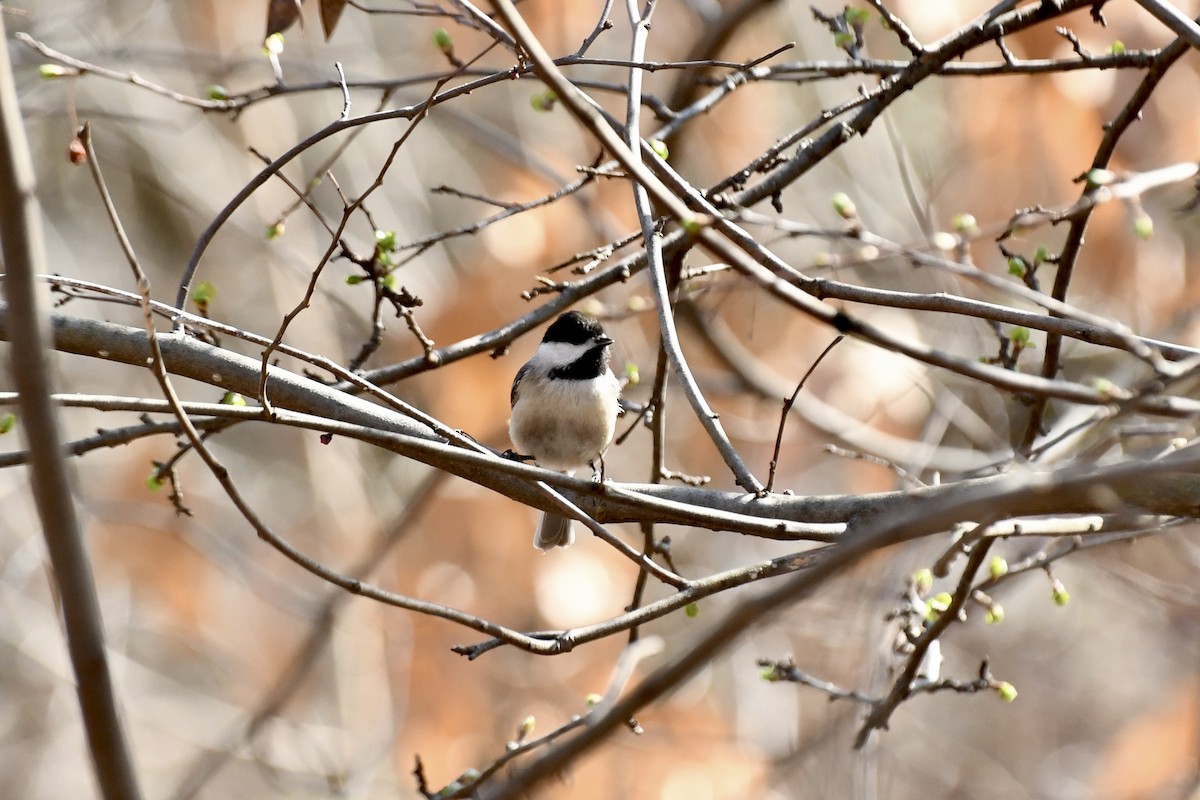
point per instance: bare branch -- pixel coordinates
(25, 327)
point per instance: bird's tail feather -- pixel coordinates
(553, 531)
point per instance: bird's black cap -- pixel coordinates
(574, 328)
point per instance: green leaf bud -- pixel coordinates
(922, 580)
(385, 241)
(965, 224)
(544, 101)
(203, 293)
(1059, 593)
(1007, 691)
(1099, 177)
(1143, 226)
(857, 17)
(844, 206)
(938, 605)
(273, 44)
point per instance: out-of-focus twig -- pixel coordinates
(21, 233)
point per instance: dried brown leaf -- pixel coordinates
(331, 11)
(281, 15)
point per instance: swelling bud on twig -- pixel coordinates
(1143, 226)
(442, 40)
(995, 614)
(692, 610)
(385, 241)
(938, 605)
(1099, 177)
(216, 92)
(527, 726)
(1059, 593)
(632, 376)
(52, 71)
(922, 580)
(1006, 690)
(844, 206)
(76, 152)
(857, 18)
(660, 148)
(1104, 386)
(202, 294)
(275, 231)
(543, 101)
(153, 481)
(232, 399)
(273, 44)
(7, 423)
(965, 224)
(998, 567)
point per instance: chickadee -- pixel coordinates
(564, 407)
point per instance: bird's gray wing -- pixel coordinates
(512, 397)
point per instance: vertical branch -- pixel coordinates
(584, 110)
(658, 430)
(20, 229)
(1074, 242)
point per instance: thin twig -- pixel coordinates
(788, 402)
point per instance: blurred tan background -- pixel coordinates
(205, 621)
